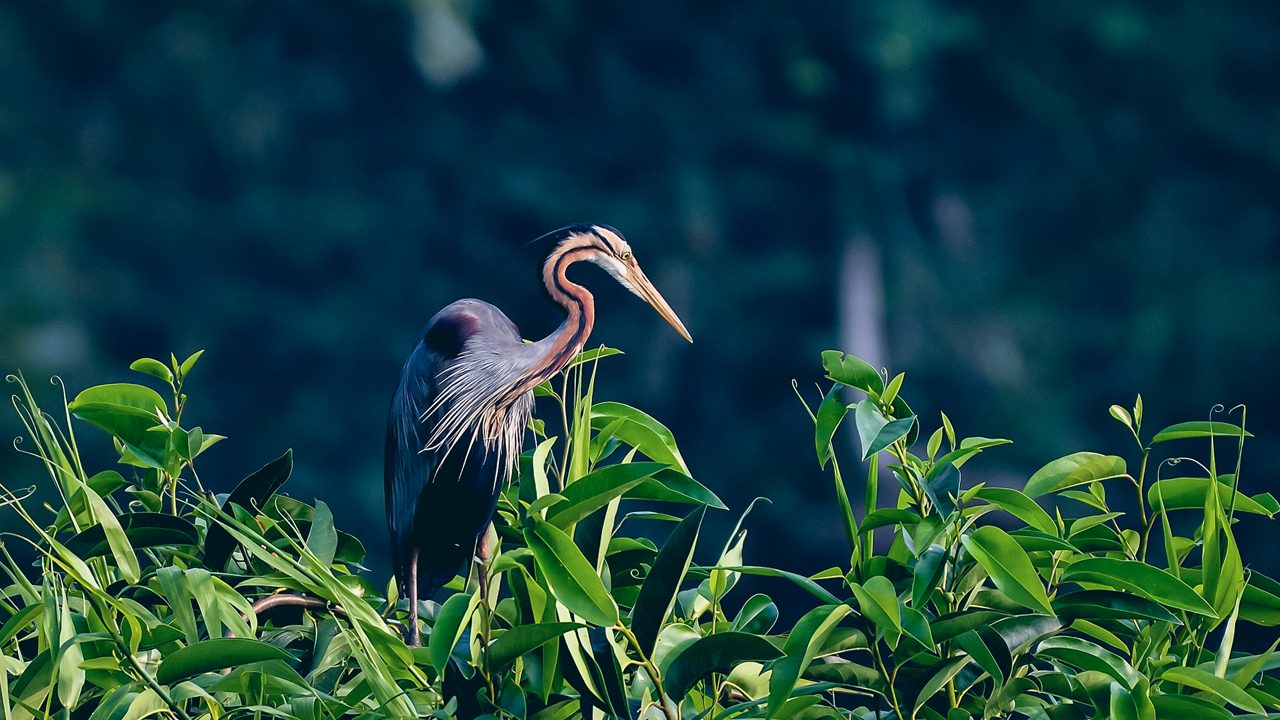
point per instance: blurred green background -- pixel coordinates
(1034, 209)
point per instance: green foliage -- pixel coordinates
(155, 597)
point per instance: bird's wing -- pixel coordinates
(407, 468)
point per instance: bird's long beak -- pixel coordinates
(654, 298)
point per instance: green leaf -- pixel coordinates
(803, 643)
(1020, 506)
(1008, 566)
(852, 371)
(1110, 605)
(1190, 493)
(1214, 685)
(879, 603)
(190, 362)
(928, 573)
(1020, 631)
(875, 431)
(1130, 703)
(322, 537)
(524, 639)
(989, 650)
(573, 580)
(251, 493)
(1089, 656)
(674, 486)
(125, 411)
(1198, 429)
(758, 615)
(830, 413)
(215, 654)
(1075, 469)
(717, 653)
(596, 489)
(640, 431)
(1188, 707)
(885, 517)
(450, 624)
(805, 583)
(1140, 579)
(152, 367)
(661, 585)
(144, 529)
(939, 680)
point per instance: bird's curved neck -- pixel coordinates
(559, 348)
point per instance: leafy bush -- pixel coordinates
(155, 597)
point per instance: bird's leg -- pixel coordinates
(412, 639)
(484, 553)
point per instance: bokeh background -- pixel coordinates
(1034, 209)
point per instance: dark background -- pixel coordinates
(1034, 209)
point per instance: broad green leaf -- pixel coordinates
(674, 486)
(1140, 579)
(927, 574)
(1076, 469)
(885, 517)
(1020, 631)
(641, 432)
(1008, 566)
(1085, 655)
(597, 488)
(1131, 703)
(251, 493)
(662, 584)
(1188, 707)
(524, 639)
(946, 627)
(322, 537)
(1190, 493)
(803, 642)
(875, 431)
(152, 367)
(989, 650)
(939, 680)
(717, 653)
(216, 654)
(1020, 506)
(1110, 605)
(852, 371)
(758, 615)
(451, 622)
(879, 603)
(1198, 429)
(573, 580)
(126, 411)
(190, 362)
(1214, 685)
(830, 413)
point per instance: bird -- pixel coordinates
(457, 421)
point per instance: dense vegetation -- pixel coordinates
(154, 597)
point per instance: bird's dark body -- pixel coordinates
(439, 500)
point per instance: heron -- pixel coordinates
(456, 426)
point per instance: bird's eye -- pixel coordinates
(625, 256)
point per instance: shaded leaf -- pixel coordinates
(717, 653)
(215, 654)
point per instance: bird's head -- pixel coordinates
(606, 247)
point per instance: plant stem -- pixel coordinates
(1142, 507)
(649, 668)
